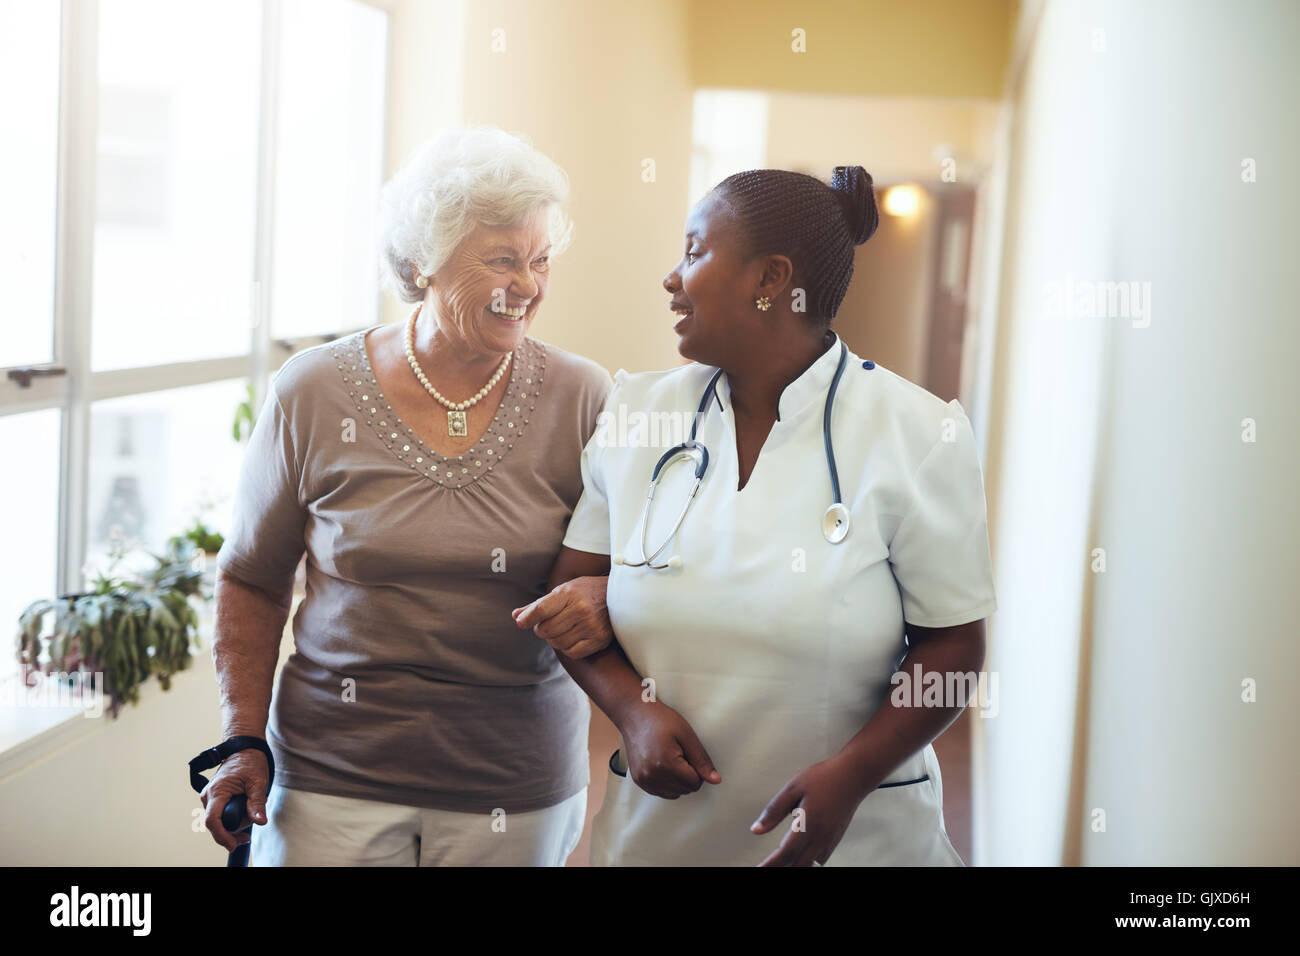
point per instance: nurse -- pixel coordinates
(751, 676)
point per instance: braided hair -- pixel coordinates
(815, 225)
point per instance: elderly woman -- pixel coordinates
(428, 470)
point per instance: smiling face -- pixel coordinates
(487, 294)
(714, 285)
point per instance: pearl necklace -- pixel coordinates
(457, 427)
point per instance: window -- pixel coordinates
(29, 565)
(29, 114)
(193, 201)
(159, 462)
(175, 181)
(328, 104)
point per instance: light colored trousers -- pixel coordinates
(319, 829)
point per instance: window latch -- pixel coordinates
(24, 375)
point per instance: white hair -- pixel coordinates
(460, 178)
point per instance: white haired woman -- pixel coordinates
(428, 469)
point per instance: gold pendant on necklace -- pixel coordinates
(456, 426)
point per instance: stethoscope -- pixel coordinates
(835, 523)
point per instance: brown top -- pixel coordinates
(410, 683)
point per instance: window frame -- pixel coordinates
(75, 390)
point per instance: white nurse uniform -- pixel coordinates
(775, 645)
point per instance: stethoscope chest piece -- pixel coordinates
(835, 523)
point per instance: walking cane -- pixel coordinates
(236, 808)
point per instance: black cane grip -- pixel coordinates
(233, 814)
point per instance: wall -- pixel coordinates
(426, 72)
(883, 47)
(885, 313)
(895, 138)
(599, 88)
(1121, 691)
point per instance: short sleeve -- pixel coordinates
(589, 526)
(940, 550)
(594, 399)
(266, 539)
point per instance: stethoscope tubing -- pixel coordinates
(695, 449)
(826, 424)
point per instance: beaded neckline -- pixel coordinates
(527, 371)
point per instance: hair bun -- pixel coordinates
(853, 183)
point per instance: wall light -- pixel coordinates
(902, 200)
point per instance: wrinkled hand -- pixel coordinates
(242, 772)
(664, 757)
(829, 794)
(572, 618)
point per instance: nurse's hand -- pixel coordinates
(828, 795)
(572, 618)
(664, 757)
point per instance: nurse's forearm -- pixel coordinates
(894, 733)
(607, 675)
(609, 680)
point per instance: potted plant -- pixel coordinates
(127, 626)
(203, 538)
(206, 542)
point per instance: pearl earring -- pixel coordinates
(763, 303)
(421, 281)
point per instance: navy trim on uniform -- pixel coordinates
(904, 783)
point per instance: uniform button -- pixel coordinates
(868, 364)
